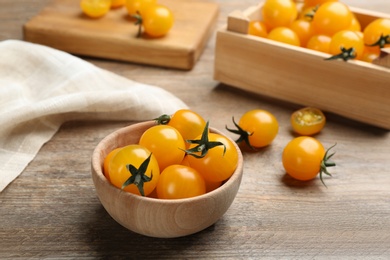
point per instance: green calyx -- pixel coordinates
(138, 22)
(244, 135)
(346, 54)
(312, 12)
(203, 145)
(163, 119)
(326, 163)
(138, 176)
(382, 41)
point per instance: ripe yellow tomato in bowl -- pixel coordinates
(155, 217)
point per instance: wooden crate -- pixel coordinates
(63, 26)
(353, 89)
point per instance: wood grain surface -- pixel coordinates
(51, 211)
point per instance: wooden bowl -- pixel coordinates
(157, 217)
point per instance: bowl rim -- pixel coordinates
(98, 159)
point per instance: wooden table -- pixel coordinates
(52, 211)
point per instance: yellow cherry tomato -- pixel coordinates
(166, 144)
(219, 162)
(319, 43)
(210, 185)
(278, 13)
(303, 29)
(332, 17)
(258, 28)
(308, 121)
(284, 35)
(189, 123)
(95, 8)
(378, 32)
(125, 161)
(157, 20)
(347, 39)
(355, 25)
(106, 162)
(179, 182)
(304, 158)
(257, 128)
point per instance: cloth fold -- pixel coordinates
(41, 88)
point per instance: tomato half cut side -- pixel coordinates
(308, 121)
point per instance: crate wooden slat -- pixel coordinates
(63, 26)
(354, 89)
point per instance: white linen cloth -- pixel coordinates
(41, 88)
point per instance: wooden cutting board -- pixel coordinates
(63, 26)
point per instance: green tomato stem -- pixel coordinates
(138, 176)
(203, 145)
(346, 54)
(138, 22)
(243, 135)
(326, 163)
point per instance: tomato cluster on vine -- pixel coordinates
(328, 26)
(154, 19)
